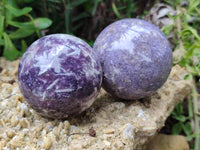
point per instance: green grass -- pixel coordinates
(187, 54)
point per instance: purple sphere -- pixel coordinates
(136, 58)
(59, 76)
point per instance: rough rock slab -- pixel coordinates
(119, 124)
(168, 142)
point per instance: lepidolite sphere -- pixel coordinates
(59, 76)
(136, 58)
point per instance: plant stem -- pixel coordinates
(179, 53)
(179, 30)
(196, 118)
(67, 7)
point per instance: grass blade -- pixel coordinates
(95, 6)
(77, 3)
(115, 10)
(1, 25)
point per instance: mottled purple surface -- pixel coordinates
(136, 58)
(59, 76)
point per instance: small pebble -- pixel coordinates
(10, 133)
(109, 131)
(128, 132)
(47, 143)
(107, 143)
